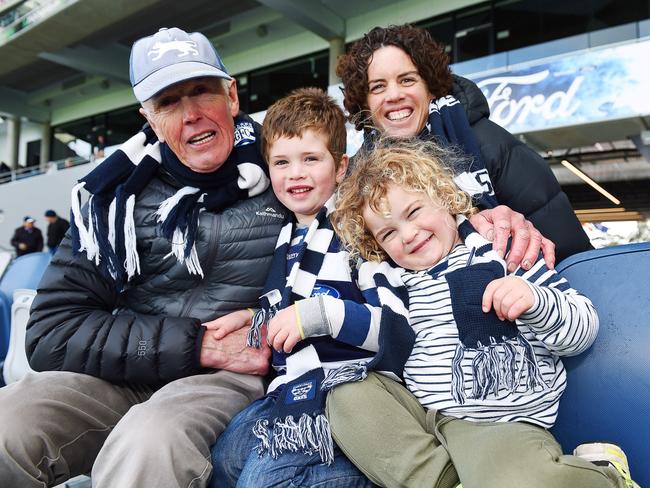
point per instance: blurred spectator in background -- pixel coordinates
(56, 229)
(68, 163)
(101, 145)
(27, 238)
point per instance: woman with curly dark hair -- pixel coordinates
(397, 82)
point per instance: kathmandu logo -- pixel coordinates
(184, 48)
(269, 212)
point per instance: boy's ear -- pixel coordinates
(343, 168)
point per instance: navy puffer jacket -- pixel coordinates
(151, 333)
(521, 178)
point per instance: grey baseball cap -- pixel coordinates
(170, 56)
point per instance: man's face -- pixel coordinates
(28, 224)
(195, 119)
(51, 220)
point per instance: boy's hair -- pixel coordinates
(302, 109)
(412, 164)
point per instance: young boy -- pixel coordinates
(317, 317)
(485, 365)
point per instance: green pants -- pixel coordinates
(385, 431)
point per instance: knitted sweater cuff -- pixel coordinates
(313, 317)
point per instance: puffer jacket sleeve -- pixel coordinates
(74, 326)
(524, 182)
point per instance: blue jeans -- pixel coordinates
(237, 464)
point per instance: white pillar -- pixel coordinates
(13, 141)
(45, 145)
(337, 47)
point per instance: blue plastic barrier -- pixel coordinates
(23, 272)
(608, 392)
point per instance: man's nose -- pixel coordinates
(190, 108)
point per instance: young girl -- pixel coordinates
(485, 365)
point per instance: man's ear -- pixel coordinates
(233, 98)
(152, 122)
(343, 168)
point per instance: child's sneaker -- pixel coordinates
(603, 454)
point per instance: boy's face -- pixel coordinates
(303, 173)
(413, 230)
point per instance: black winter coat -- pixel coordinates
(521, 178)
(55, 232)
(32, 239)
(151, 333)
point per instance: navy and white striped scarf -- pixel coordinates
(502, 353)
(107, 233)
(298, 422)
(447, 125)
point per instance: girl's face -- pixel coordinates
(415, 232)
(398, 97)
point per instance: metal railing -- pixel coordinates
(52, 166)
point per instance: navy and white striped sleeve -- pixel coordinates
(563, 319)
(347, 321)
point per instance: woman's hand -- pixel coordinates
(499, 223)
(509, 296)
(284, 332)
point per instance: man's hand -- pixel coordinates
(499, 223)
(509, 296)
(284, 332)
(229, 323)
(232, 354)
(22, 246)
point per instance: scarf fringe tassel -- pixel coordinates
(86, 236)
(347, 373)
(308, 435)
(496, 366)
(254, 336)
(184, 253)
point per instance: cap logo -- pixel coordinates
(184, 48)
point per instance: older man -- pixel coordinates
(27, 238)
(135, 385)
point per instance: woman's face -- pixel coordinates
(398, 97)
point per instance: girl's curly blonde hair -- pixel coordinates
(412, 164)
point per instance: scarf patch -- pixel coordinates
(298, 422)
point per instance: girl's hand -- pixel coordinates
(509, 296)
(284, 331)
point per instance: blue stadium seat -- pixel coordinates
(608, 392)
(23, 272)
